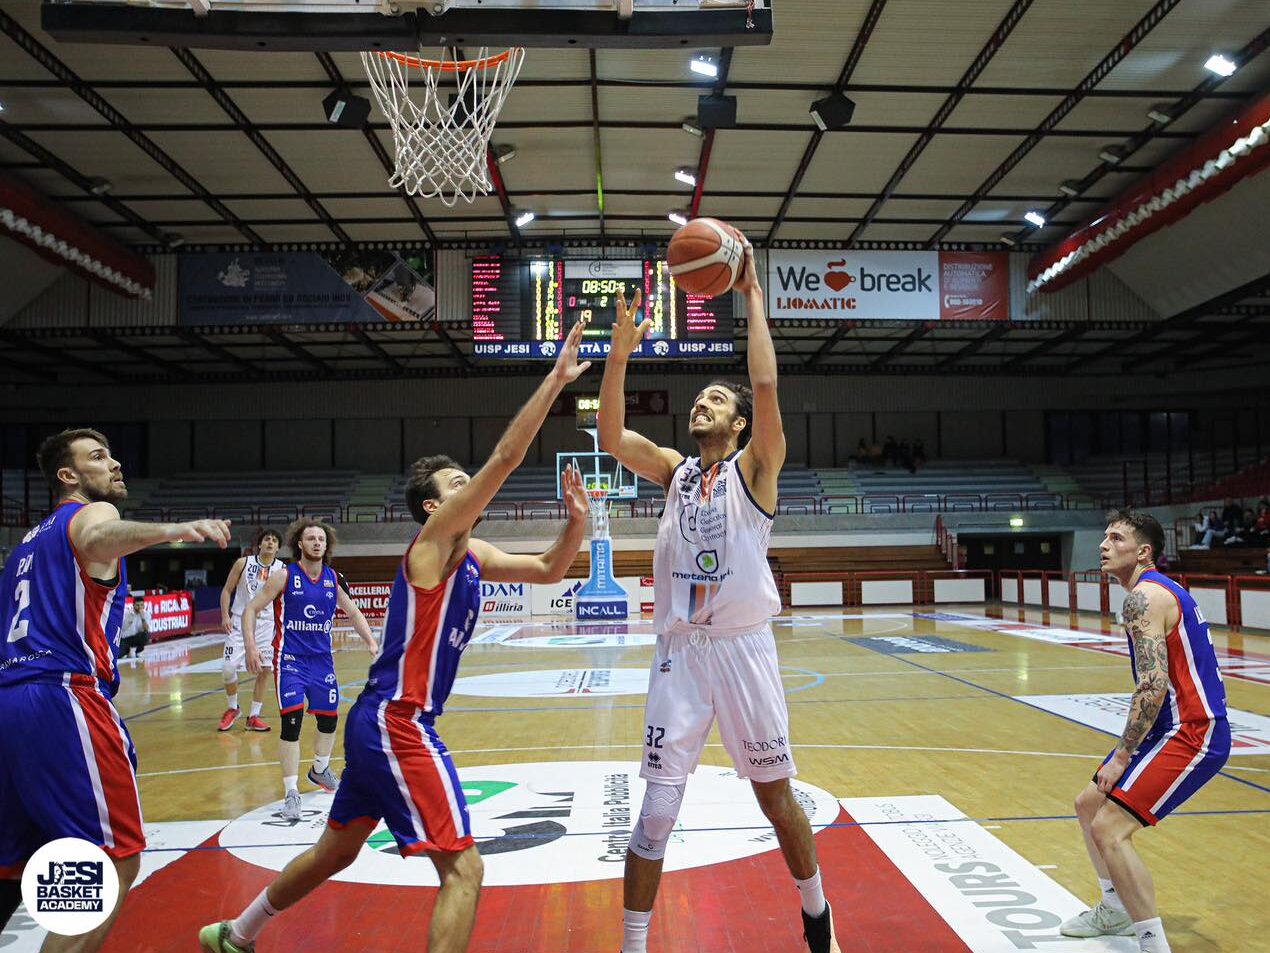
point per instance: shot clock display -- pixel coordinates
(523, 308)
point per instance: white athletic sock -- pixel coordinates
(290, 784)
(252, 920)
(1151, 937)
(1109, 896)
(320, 764)
(635, 930)
(255, 708)
(233, 701)
(813, 896)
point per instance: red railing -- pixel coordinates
(1231, 588)
(14, 514)
(946, 540)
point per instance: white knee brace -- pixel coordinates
(657, 817)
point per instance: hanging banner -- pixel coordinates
(888, 285)
(348, 286)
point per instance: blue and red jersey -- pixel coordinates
(307, 611)
(425, 632)
(1196, 691)
(55, 619)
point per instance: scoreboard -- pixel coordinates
(524, 307)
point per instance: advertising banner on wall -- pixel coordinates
(168, 614)
(370, 597)
(888, 285)
(349, 286)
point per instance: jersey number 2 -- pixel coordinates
(17, 630)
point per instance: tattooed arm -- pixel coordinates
(1147, 611)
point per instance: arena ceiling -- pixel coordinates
(968, 116)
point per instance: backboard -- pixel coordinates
(407, 25)
(600, 473)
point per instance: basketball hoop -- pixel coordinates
(441, 145)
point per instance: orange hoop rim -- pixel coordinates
(446, 66)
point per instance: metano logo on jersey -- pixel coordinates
(549, 823)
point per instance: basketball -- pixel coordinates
(706, 257)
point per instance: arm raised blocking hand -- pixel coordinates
(632, 450)
(459, 513)
(551, 565)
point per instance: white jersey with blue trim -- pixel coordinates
(710, 571)
(251, 581)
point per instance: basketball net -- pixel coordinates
(599, 503)
(442, 114)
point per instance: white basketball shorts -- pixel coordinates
(236, 651)
(695, 679)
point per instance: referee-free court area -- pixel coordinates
(938, 751)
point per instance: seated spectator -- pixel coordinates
(890, 452)
(1231, 513)
(1261, 529)
(862, 451)
(875, 454)
(1208, 530)
(135, 634)
(919, 452)
(1244, 534)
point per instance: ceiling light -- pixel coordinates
(1008, 239)
(1160, 113)
(504, 154)
(1069, 187)
(101, 186)
(832, 112)
(175, 242)
(1016, 521)
(693, 128)
(1036, 218)
(1112, 155)
(678, 218)
(687, 176)
(524, 218)
(1220, 65)
(705, 66)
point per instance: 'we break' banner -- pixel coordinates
(888, 285)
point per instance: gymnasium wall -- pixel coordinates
(376, 425)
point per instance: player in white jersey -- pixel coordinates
(714, 592)
(246, 578)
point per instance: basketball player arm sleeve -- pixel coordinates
(1145, 616)
(766, 450)
(270, 591)
(459, 513)
(360, 625)
(227, 591)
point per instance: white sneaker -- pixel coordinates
(291, 808)
(1102, 920)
